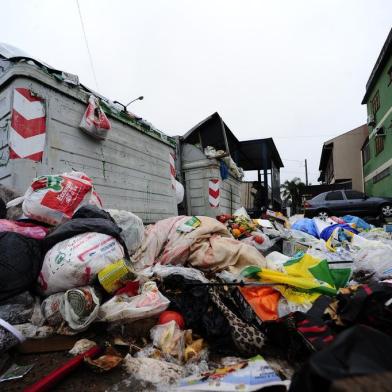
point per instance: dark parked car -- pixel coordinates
(346, 202)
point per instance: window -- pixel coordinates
(366, 153)
(335, 195)
(379, 140)
(319, 197)
(380, 176)
(375, 103)
(354, 195)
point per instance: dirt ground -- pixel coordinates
(83, 379)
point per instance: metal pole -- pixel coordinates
(306, 171)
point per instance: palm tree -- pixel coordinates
(292, 192)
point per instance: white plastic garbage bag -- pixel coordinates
(259, 240)
(53, 199)
(76, 262)
(125, 309)
(163, 271)
(376, 259)
(79, 307)
(179, 192)
(276, 260)
(132, 228)
(94, 121)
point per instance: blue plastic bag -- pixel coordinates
(307, 226)
(359, 223)
(327, 232)
(224, 170)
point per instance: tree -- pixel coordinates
(292, 192)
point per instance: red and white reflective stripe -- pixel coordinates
(172, 170)
(214, 192)
(28, 126)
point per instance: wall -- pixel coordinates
(384, 159)
(347, 156)
(130, 169)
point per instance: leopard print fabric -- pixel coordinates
(247, 338)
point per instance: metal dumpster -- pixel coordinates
(130, 169)
(201, 178)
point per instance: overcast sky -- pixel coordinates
(292, 70)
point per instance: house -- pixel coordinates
(341, 161)
(377, 149)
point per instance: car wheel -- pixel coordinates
(386, 210)
(322, 214)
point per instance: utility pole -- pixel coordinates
(306, 171)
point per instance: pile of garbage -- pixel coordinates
(195, 303)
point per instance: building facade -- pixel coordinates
(377, 149)
(341, 161)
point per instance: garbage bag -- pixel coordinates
(27, 229)
(180, 192)
(53, 199)
(377, 234)
(224, 170)
(76, 261)
(357, 222)
(163, 271)
(307, 226)
(375, 258)
(79, 307)
(50, 308)
(20, 263)
(170, 339)
(327, 232)
(92, 211)
(17, 309)
(359, 350)
(121, 308)
(94, 121)
(9, 336)
(132, 228)
(89, 220)
(259, 240)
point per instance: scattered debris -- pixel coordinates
(198, 298)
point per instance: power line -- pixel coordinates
(88, 48)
